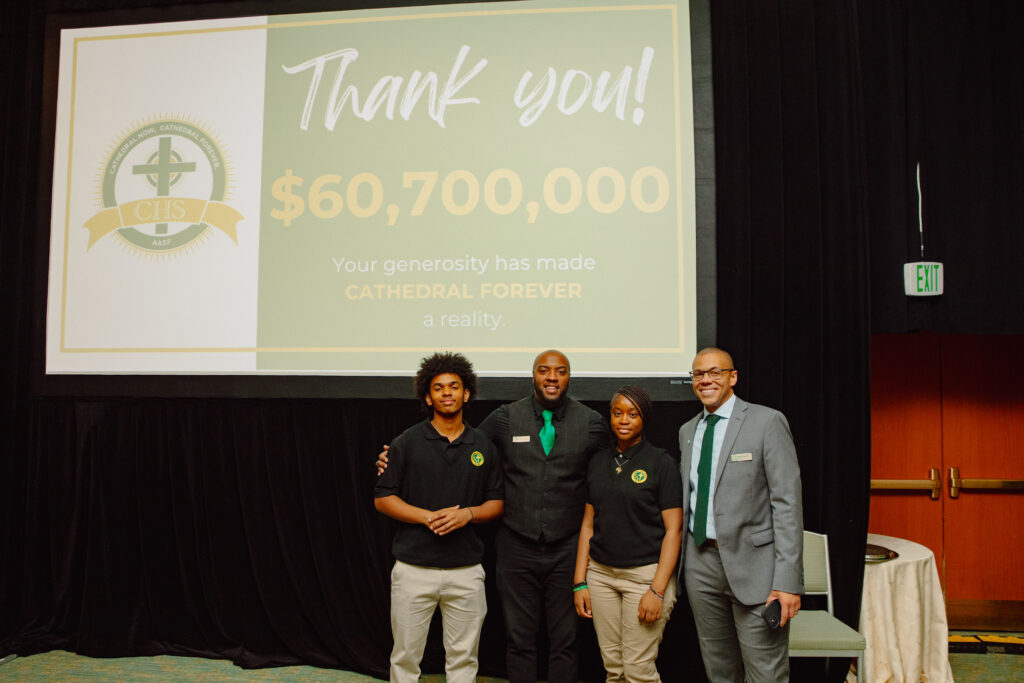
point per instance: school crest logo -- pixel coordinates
(477, 458)
(638, 476)
(164, 188)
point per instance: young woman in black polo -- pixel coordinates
(629, 543)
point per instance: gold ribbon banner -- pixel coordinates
(164, 210)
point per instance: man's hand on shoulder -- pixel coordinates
(382, 460)
(790, 604)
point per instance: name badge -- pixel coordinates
(741, 457)
(521, 439)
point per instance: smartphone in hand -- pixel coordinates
(772, 614)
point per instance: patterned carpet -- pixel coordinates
(67, 667)
(977, 657)
(974, 658)
(986, 643)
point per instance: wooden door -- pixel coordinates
(906, 436)
(955, 401)
(983, 437)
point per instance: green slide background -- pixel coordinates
(628, 315)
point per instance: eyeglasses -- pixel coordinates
(713, 373)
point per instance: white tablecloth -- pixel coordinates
(903, 616)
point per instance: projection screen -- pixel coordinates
(341, 193)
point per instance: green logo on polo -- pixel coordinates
(638, 476)
(163, 189)
(477, 458)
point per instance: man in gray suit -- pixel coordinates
(743, 511)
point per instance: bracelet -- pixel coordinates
(471, 515)
(577, 587)
(661, 596)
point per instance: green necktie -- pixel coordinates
(547, 432)
(700, 514)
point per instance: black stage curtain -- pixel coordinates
(942, 85)
(793, 252)
(242, 528)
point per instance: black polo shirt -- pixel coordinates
(427, 471)
(544, 494)
(628, 528)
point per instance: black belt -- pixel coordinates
(710, 543)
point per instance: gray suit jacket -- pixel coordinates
(757, 506)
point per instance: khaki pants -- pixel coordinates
(629, 647)
(415, 592)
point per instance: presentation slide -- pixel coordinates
(343, 193)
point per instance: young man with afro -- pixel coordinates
(444, 477)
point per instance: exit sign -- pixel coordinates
(923, 278)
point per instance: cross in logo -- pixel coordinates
(164, 168)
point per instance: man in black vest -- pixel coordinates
(546, 441)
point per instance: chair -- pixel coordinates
(817, 633)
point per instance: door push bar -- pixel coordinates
(956, 483)
(933, 484)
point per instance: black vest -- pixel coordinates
(545, 494)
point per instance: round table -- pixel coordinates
(903, 616)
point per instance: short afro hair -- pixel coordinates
(439, 364)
